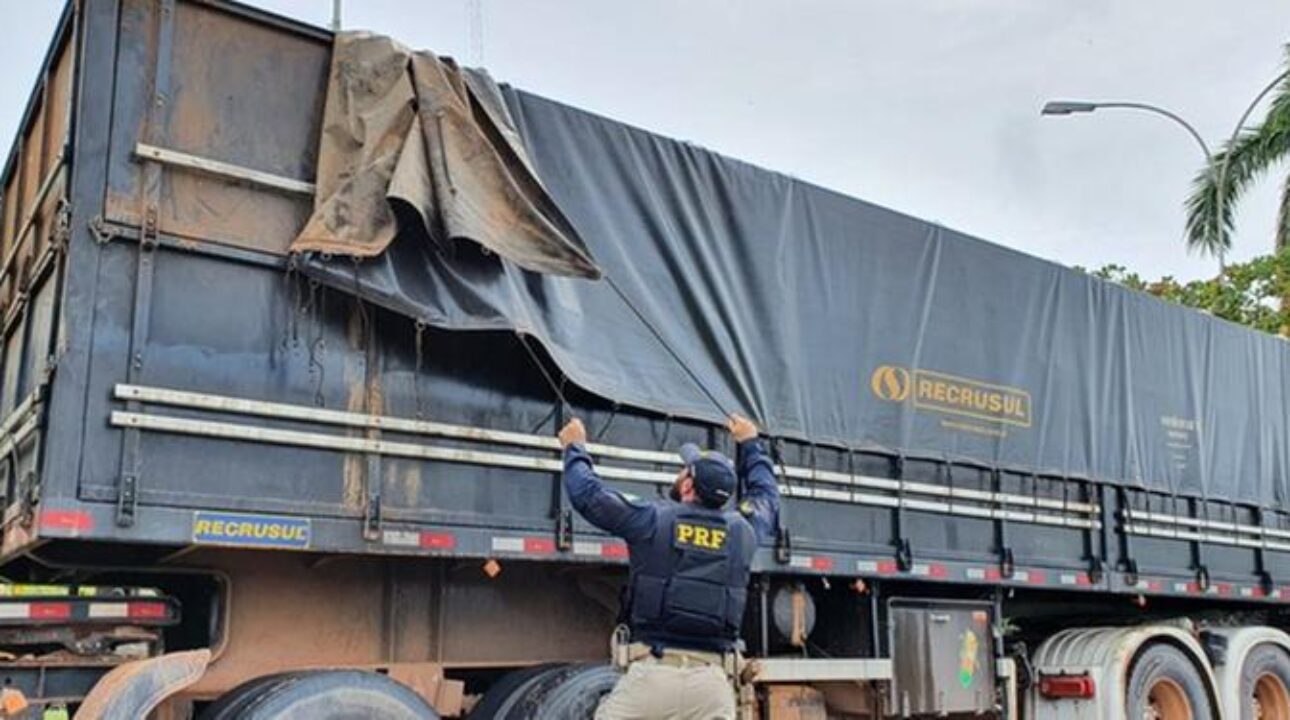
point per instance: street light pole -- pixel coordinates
(1071, 107)
(1231, 144)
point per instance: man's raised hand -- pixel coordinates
(741, 427)
(573, 433)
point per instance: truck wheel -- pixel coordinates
(322, 695)
(570, 692)
(231, 703)
(1164, 685)
(1265, 684)
(503, 693)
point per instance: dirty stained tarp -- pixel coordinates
(413, 143)
(832, 320)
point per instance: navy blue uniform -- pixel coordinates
(689, 563)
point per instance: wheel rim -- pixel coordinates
(1167, 701)
(1271, 699)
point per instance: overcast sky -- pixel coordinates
(929, 107)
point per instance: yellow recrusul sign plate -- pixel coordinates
(225, 528)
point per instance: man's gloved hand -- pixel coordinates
(741, 428)
(573, 433)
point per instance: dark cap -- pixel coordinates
(713, 474)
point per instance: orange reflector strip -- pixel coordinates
(539, 545)
(1057, 687)
(438, 540)
(146, 610)
(613, 550)
(66, 521)
(49, 610)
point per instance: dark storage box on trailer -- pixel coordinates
(944, 409)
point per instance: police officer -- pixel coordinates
(690, 561)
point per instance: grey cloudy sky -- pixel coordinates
(926, 106)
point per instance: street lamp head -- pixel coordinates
(1067, 107)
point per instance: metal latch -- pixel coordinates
(564, 530)
(151, 231)
(127, 500)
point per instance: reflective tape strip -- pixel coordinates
(419, 539)
(876, 567)
(526, 545)
(930, 570)
(507, 544)
(404, 538)
(49, 610)
(109, 610)
(812, 562)
(587, 548)
(13, 611)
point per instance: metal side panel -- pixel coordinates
(242, 94)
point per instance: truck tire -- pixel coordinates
(1164, 684)
(571, 692)
(322, 695)
(503, 693)
(231, 703)
(1265, 684)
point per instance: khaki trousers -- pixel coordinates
(650, 690)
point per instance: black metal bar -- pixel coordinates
(1266, 582)
(904, 550)
(1127, 564)
(1007, 560)
(1196, 511)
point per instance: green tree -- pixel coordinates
(1216, 189)
(1247, 293)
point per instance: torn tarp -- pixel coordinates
(414, 144)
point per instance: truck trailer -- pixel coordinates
(243, 479)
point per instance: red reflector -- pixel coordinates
(146, 610)
(887, 566)
(66, 521)
(938, 571)
(1055, 687)
(993, 574)
(613, 550)
(438, 541)
(1036, 577)
(821, 562)
(49, 611)
(539, 545)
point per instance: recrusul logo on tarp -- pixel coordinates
(950, 394)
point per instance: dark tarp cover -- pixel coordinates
(830, 319)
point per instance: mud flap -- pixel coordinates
(132, 690)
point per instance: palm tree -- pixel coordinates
(1246, 157)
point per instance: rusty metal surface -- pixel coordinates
(291, 612)
(133, 689)
(243, 93)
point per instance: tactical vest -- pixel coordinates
(689, 582)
